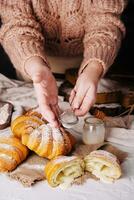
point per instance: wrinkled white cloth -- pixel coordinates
(119, 130)
(21, 94)
(124, 134)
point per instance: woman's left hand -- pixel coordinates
(83, 95)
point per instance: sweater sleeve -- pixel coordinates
(20, 33)
(103, 32)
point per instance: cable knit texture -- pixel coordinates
(61, 27)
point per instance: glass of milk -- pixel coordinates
(93, 131)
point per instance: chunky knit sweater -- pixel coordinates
(61, 27)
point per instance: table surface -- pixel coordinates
(122, 189)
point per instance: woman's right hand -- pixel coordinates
(45, 88)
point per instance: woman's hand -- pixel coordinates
(83, 95)
(45, 88)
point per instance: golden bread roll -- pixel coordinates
(49, 142)
(25, 124)
(103, 165)
(12, 153)
(63, 170)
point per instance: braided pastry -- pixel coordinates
(49, 142)
(12, 153)
(64, 170)
(103, 165)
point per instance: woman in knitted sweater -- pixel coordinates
(33, 30)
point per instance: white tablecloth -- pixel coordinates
(122, 189)
(21, 94)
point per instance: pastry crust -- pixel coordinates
(49, 142)
(103, 165)
(25, 124)
(34, 112)
(40, 137)
(63, 170)
(12, 153)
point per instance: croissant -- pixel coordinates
(12, 153)
(34, 112)
(49, 142)
(25, 124)
(103, 165)
(63, 170)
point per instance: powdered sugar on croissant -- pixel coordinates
(49, 142)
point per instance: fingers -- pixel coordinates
(55, 109)
(58, 109)
(79, 96)
(45, 105)
(88, 101)
(49, 114)
(72, 95)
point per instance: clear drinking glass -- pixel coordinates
(68, 118)
(93, 131)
